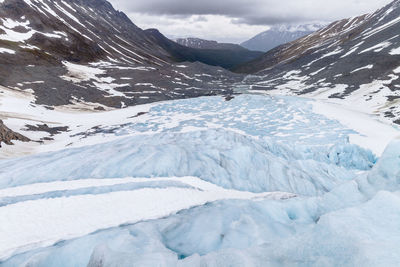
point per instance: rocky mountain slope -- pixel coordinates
(280, 34)
(87, 53)
(354, 61)
(7, 135)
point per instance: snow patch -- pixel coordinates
(363, 68)
(6, 50)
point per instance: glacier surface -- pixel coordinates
(254, 181)
(222, 157)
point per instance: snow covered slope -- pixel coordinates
(72, 126)
(86, 51)
(278, 35)
(353, 62)
(191, 182)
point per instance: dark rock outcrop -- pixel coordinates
(7, 135)
(45, 128)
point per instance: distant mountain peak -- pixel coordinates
(307, 27)
(280, 34)
(199, 43)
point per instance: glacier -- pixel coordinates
(254, 181)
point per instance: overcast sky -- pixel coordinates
(236, 20)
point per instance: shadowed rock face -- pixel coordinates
(116, 63)
(356, 60)
(7, 135)
(45, 128)
(211, 53)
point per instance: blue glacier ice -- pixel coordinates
(346, 213)
(222, 157)
(345, 227)
(288, 120)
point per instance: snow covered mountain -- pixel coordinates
(207, 44)
(354, 61)
(280, 34)
(87, 53)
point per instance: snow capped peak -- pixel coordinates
(199, 43)
(308, 27)
(280, 34)
(195, 42)
(395, 4)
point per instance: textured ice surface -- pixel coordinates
(343, 210)
(285, 119)
(89, 206)
(344, 227)
(221, 157)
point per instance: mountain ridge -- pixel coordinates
(223, 57)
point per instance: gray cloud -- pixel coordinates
(236, 20)
(255, 12)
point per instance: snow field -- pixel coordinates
(254, 180)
